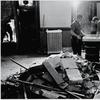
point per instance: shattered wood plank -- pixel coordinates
(73, 72)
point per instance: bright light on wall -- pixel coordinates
(76, 3)
(75, 6)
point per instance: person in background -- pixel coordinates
(77, 34)
(94, 25)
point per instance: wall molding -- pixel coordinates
(55, 28)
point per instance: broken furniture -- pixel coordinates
(59, 76)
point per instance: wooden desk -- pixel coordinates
(92, 46)
(91, 38)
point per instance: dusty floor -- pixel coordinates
(8, 67)
(28, 60)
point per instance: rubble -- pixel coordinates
(59, 76)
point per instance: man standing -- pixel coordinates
(77, 34)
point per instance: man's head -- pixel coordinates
(79, 18)
(95, 19)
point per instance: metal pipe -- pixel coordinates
(17, 63)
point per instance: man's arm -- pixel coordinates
(83, 33)
(73, 33)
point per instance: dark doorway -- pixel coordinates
(28, 21)
(8, 33)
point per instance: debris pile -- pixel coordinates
(59, 76)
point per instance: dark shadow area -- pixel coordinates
(8, 48)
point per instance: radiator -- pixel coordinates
(54, 41)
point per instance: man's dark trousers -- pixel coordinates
(76, 45)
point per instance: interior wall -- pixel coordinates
(60, 14)
(6, 9)
(55, 13)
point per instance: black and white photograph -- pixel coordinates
(50, 49)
